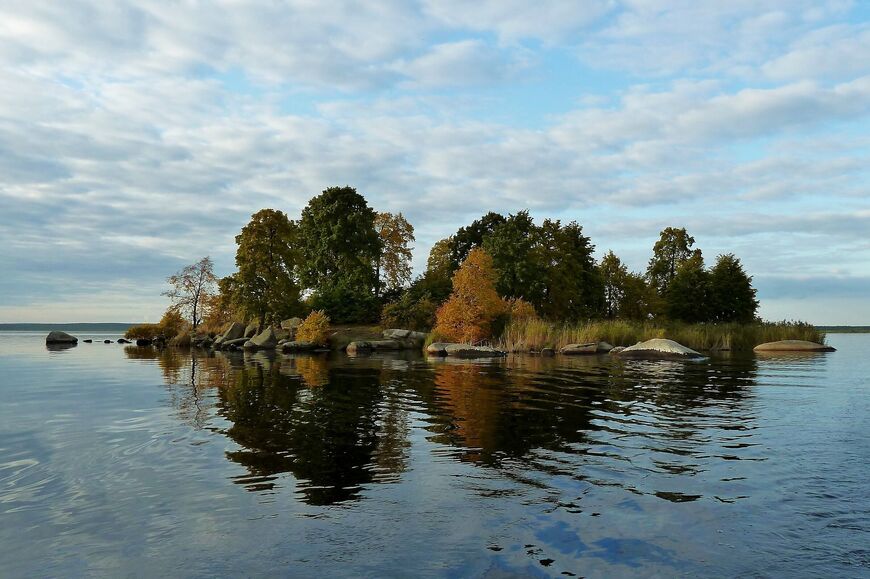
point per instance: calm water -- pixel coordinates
(123, 461)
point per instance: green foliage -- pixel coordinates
(688, 295)
(732, 295)
(171, 324)
(515, 247)
(346, 305)
(467, 238)
(574, 289)
(410, 313)
(339, 243)
(673, 248)
(266, 285)
(314, 328)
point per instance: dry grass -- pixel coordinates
(525, 335)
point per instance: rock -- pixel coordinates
(143, 342)
(265, 340)
(57, 337)
(120, 341)
(437, 348)
(358, 347)
(617, 349)
(586, 348)
(234, 332)
(660, 349)
(89, 341)
(300, 347)
(548, 352)
(469, 351)
(107, 341)
(404, 335)
(793, 346)
(251, 331)
(291, 324)
(237, 343)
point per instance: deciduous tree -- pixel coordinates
(191, 288)
(468, 315)
(688, 294)
(394, 262)
(672, 249)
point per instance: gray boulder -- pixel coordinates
(395, 334)
(358, 347)
(660, 349)
(299, 347)
(234, 332)
(437, 348)
(57, 337)
(251, 330)
(617, 349)
(265, 340)
(469, 351)
(586, 348)
(793, 346)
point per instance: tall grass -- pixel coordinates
(534, 334)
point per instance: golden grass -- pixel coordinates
(534, 334)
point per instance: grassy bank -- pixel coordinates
(525, 335)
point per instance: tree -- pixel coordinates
(573, 288)
(671, 250)
(626, 294)
(688, 295)
(732, 295)
(191, 288)
(614, 275)
(473, 307)
(436, 282)
(394, 262)
(513, 245)
(340, 251)
(471, 236)
(266, 285)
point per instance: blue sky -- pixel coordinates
(136, 137)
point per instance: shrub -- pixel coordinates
(143, 331)
(314, 328)
(346, 305)
(520, 309)
(410, 314)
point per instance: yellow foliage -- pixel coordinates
(314, 328)
(520, 309)
(469, 313)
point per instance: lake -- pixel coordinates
(119, 461)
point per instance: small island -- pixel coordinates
(340, 278)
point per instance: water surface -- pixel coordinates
(125, 461)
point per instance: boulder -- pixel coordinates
(404, 335)
(89, 341)
(604, 347)
(660, 349)
(251, 330)
(120, 341)
(107, 341)
(300, 347)
(358, 347)
(265, 340)
(237, 343)
(469, 351)
(291, 324)
(57, 337)
(617, 349)
(579, 349)
(143, 342)
(234, 332)
(793, 346)
(548, 352)
(437, 348)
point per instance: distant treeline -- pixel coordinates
(844, 329)
(96, 328)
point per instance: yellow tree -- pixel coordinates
(469, 313)
(394, 262)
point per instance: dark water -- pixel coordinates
(123, 462)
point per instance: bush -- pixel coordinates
(314, 328)
(143, 332)
(410, 314)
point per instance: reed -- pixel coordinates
(534, 334)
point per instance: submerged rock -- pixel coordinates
(120, 341)
(793, 346)
(296, 346)
(358, 347)
(437, 348)
(143, 342)
(660, 349)
(89, 341)
(107, 341)
(265, 340)
(586, 348)
(548, 352)
(469, 351)
(57, 337)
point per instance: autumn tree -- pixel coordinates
(266, 285)
(672, 249)
(394, 261)
(732, 296)
(473, 307)
(191, 288)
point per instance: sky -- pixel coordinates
(138, 136)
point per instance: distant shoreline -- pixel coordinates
(73, 327)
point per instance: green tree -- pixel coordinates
(340, 251)
(732, 295)
(688, 294)
(573, 287)
(394, 262)
(436, 282)
(266, 285)
(671, 250)
(191, 288)
(514, 246)
(627, 295)
(614, 275)
(471, 236)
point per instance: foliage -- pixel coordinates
(266, 284)
(340, 248)
(673, 248)
(534, 334)
(520, 309)
(474, 306)
(346, 305)
(314, 328)
(467, 238)
(220, 310)
(436, 282)
(732, 295)
(191, 288)
(688, 295)
(574, 289)
(514, 245)
(170, 325)
(143, 331)
(410, 313)
(394, 262)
